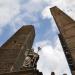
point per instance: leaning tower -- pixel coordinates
(66, 26)
(17, 56)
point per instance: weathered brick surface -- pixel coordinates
(66, 26)
(12, 53)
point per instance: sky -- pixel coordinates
(16, 13)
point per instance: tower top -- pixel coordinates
(60, 17)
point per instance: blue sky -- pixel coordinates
(16, 13)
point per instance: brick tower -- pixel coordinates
(17, 56)
(66, 27)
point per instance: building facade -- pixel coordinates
(66, 26)
(17, 56)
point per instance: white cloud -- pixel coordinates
(46, 12)
(8, 9)
(33, 6)
(50, 58)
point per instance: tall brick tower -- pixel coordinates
(66, 27)
(17, 56)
